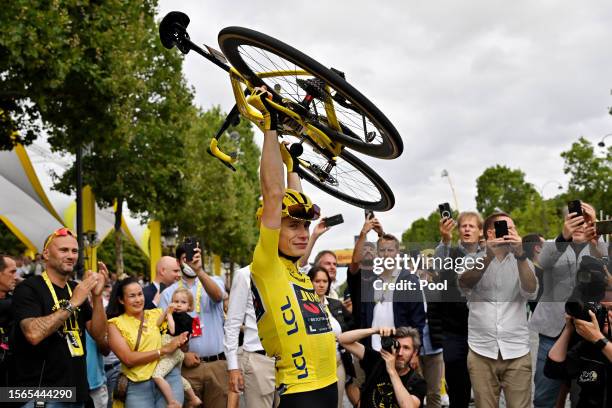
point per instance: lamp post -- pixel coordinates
(601, 142)
(445, 174)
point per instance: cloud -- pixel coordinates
(467, 84)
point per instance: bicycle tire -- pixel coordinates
(231, 39)
(350, 189)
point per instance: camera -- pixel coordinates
(591, 282)
(388, 343)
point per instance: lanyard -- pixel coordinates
(198, 294)
(57, 305)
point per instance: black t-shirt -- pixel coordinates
(6, 324)
(379, 391)
(32, 298)
(591, 369)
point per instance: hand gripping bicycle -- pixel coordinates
(321, 114)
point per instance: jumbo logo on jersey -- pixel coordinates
(315, 318)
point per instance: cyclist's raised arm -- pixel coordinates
(293, 179)
(271, 168)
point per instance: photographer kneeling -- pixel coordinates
(582, 351)
(390, 380)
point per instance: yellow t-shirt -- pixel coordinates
(292, 325)
(149, 340)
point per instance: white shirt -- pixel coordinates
(383, 310)
(497, 321)
(336, 328)
(240, 310)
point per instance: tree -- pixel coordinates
(590, 175)
(135, 159)
(56, 60)
(541, 216)
(220, 205)
(502, 188)
(9, 243)
(135, 260)
(424, 231)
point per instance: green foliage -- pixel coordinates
(220, 204)
(9, 243)
(590, 175)
(424, 230)
(134, 259)
(540, 216)
(503, 188)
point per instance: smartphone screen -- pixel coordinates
(575, 206)
(501, 228)
(190, 244)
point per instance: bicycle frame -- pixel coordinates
(310, 132)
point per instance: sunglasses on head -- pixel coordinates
(60, 232)
(300, 212)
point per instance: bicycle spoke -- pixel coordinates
(350, 180)
(264, 61)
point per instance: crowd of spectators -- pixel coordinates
(172, 342)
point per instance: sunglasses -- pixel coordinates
(300, 212)
(60, 232)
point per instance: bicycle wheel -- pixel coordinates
(344, 177)
(364, 127)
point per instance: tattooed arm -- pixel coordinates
(36, 329)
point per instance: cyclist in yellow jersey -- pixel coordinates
(292, 325)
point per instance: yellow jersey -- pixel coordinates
(292, 324)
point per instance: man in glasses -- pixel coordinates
(292, 325)
(51, 314)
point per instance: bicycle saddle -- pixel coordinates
(173, 31)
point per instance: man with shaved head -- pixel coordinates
(167, 271)
(52, 313)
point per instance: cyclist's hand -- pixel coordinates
(259, 100)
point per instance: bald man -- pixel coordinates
(167, 271)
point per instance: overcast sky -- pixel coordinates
(467, 84)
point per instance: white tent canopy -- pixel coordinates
(31, 209)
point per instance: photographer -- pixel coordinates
(560, 262)
(584, 353)
(390, 380)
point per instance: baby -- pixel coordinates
(179, 321)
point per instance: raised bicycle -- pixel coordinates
(322, 115)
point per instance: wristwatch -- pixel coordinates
(602, 343)
(68, 307)
(521, 257)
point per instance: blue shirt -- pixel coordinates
(95, 365)
(210, 343)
